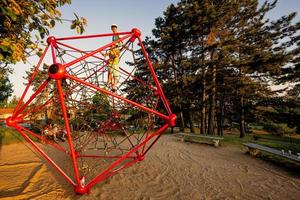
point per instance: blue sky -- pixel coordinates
(127, 14)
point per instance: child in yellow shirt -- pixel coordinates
(113, 66)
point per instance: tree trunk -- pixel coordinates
(203, 95)
(212, 107)
(191, 121)
(221, 118)
(242, 117)
(222, 115)
(46, 116)
(181, 122)
(203, 104)
(206, 122)
(242, 109)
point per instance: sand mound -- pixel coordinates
(171, 170)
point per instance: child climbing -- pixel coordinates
(114, 29)
(113, 66)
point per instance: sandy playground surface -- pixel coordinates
(171, 170)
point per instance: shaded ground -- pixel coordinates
(172, 170)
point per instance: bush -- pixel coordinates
(279, 129)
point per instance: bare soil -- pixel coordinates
(171, 170)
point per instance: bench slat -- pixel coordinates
(201, 136)
(273, 151)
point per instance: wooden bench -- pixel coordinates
(200, 138)
(254, 149)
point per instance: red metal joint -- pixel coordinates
(172, 120)
(57, 71)
(140, 158)
(82, 189)
(51, 40)
(156, 92)
(136, 33)
(76, 154)
(13, 121)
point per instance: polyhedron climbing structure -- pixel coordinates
(83, 127)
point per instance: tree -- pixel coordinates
(5, 89)
(240, 40)
(174, 66)
(20, 18)
(217, 59)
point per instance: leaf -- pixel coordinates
(37, 37)
(73, 25)
(78, 30)
(76, 16)
(52, 23)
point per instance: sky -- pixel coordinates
(127, 14)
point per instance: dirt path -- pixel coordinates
(172, 170)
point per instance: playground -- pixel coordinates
(172, 170)
(205, 105)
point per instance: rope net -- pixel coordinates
(90, 117)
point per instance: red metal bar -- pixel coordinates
(147, 133)
(30, 80)
(44, 140)
(43, 154)
(83, 103)
(162, 95)
(65, 115)
(53, 53)
(92, 36)
(115, 164)
(97, 156)
(164, 117)
(121, 102)
(69, 90)
(144, 153)
(49, 101)
(139, 80)
(73, 48)
(87, 142)
(96, 51)
(44, 84)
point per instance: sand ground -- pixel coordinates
(171, 170)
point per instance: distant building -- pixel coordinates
(5, 112)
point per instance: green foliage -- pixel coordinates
(20, 19)
(279, 129)
(78, 24)
(286, 146)
(234, 139)
(5, 88)
(218, 59)
(277, 138)
(92, 116)
(101, 105)
(278, 110)
(10, 104)
(9, 136)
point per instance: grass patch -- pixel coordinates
(9, 136)
(278, 142)
(286, 139)
(234, 139)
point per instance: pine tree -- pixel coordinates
(5, 89)
(225, 57)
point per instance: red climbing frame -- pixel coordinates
(57, 72)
